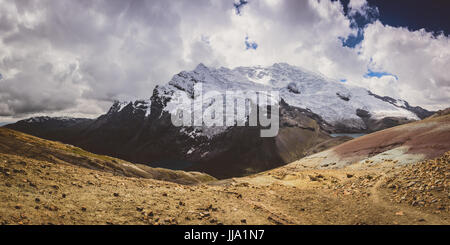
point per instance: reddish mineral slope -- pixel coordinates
(409, 143)
(429, 137)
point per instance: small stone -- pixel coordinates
(52, 208)
(399, 213)
(312, 178)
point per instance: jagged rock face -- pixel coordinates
(311, 106)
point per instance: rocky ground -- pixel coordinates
(424, 185)
(39, 192)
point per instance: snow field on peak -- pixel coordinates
(333, 101)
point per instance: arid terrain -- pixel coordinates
(395, 176)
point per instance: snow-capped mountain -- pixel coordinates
(344, 107)
(311, 107)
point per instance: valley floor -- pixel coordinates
(39, 192)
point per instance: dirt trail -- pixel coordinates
(342, 196)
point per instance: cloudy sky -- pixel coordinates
(74, 57)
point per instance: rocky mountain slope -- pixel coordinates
(35, 191)
(311, 107)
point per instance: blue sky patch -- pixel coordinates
(239, 5)
(352, 40)
(250, 44)
(358, 22)
(378, 74)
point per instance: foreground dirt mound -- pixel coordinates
(20, 144)
(40, 192)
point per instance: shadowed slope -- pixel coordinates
(23, 145)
